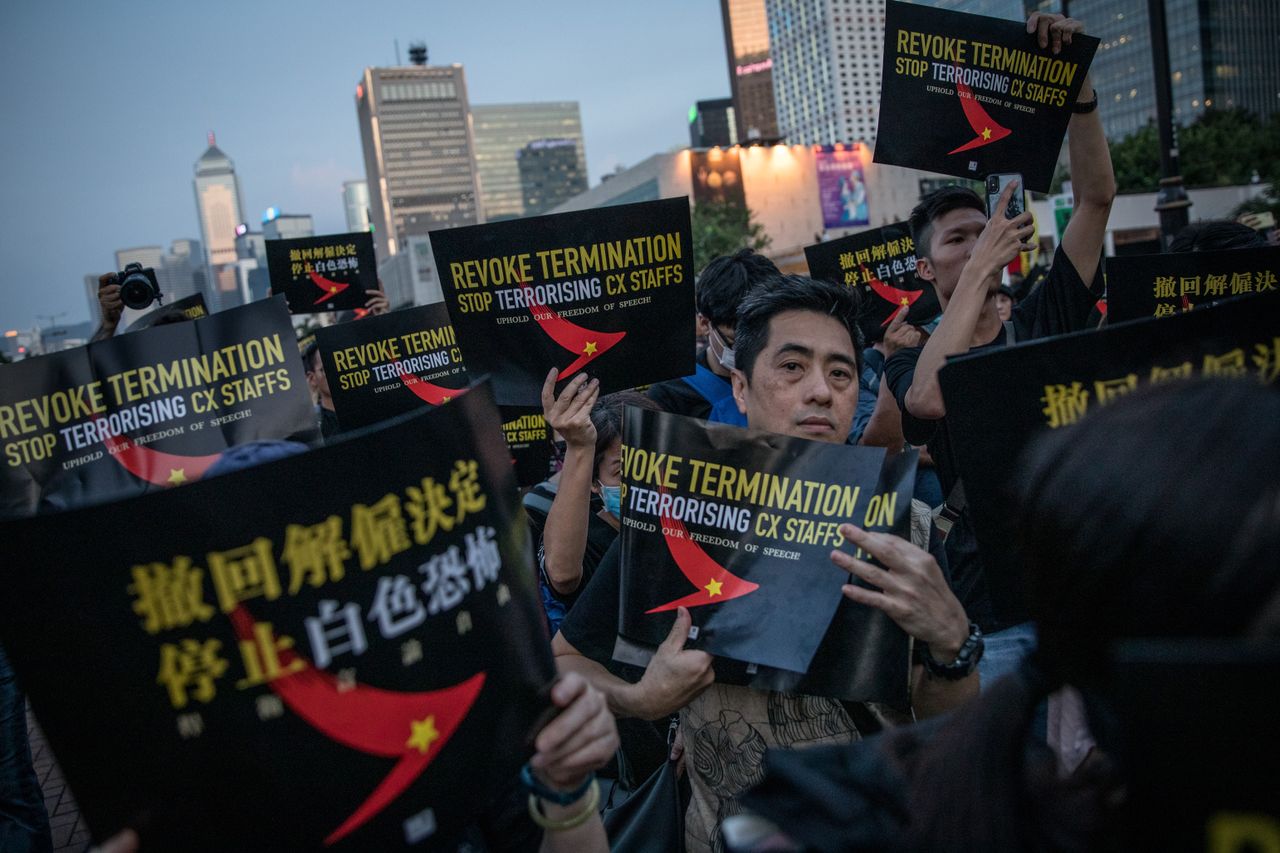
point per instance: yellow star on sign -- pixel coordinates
(446, 399)
(333, 290)
(423, 734)
(713, 588)
(590, 348)
(986, 133)
(905, 301)
(177, 475)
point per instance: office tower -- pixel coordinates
(1222, 55)
(91, 297)
(220, 209)
(826, 68)
(746, 39)
(181, 272)
(501, 131)
(286, 226)
(549, 174)
(148, 256)
(1009, 10)
(415, 127)
(355, 201)
(712, 123)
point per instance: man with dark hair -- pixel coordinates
(1211, 235)
(721, 287)
(319, 384)
(963, 255)
(797, 375)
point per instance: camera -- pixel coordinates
(138, 286)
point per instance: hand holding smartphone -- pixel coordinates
(995, 185)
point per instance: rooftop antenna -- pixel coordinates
(418, 52)
(397, 41)
(212, 142)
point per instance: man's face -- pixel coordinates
(950, 245)
(805, 380)
(316, 379)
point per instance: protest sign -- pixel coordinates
(969, 95)
(997, 401)
(842, 188)
(529, 440)
(188, 308)
(383, 366)
(738, 526)
(1164, 285)
(881, 265)
(323, 651)
(145, 412)
(609, 291)
(328, 273)
(716, 175)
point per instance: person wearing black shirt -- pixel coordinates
(707, 394)
(963, 254)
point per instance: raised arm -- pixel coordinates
(564, 537)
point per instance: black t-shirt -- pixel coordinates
(328, 420)
(1059, 304)
(679, 397)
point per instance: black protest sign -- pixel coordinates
(187, 308)
(329, 273)
(998, 401)
(968, 95)
(738, 526)
(379, 367)
(145, 412)
(324, 651)
(609, 291)
(529, 441)
(1164, 285)
(880, 264)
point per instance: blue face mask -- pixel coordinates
(612, 497)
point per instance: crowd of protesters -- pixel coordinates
(1157, 517)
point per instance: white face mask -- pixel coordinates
(725, 353)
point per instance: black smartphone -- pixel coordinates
(995, 185)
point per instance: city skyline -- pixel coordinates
(114, 121)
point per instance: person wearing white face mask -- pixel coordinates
(707, 394)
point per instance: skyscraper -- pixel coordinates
(826, 68)
(746, 40)
(415, 126)
(355, 201)
(148, 256)
(501, 131)
(220, 209)
(549, 174)
(1222, 54)
(286, 226)
(181, 272)
(712, 123)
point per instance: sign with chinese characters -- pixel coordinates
(148, 411)
(738, 526)
(325, 651)
(842, 188)
(881, 265)
(998, 401)
(329, 273)
(969, 95)
(608, 291)
(188, 308)
(383, 366)
(1164, 285)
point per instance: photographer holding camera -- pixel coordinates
(134, 286)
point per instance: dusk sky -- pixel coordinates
(106, 107)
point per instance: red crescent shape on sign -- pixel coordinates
(429, 391)
(156, 466)
(893, 295)
(330, 288)
(571, 336)
(368, 719)
(700, 570)
(978, 119)
(1101, 305)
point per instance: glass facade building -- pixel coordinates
(220, 208)
(549, 174)
(746, 38)
(501, 132)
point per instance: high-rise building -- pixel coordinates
(286, 226)
(549, 174)
(501, 131)
(220, 209)
(181, 272)
(91, 297)
(712, 123)
(826, 68)
(746, 39)
(1222, 55)
(1009, 10)
(148, 256)
(415, 126)
(355, 201)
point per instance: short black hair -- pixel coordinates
(791, 293)
(606, 417)
(309, 357)
(726, 280)
(1211, 235)
(937, 204)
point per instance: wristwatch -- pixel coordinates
(552, 795)
(1087, 106)
(966, 659)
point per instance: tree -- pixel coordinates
(722, 229)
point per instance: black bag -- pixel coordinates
(650, 818)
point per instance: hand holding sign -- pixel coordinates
(570, 413)
(676, 675)
(901, 334)
(1053, 29)
(580, 740)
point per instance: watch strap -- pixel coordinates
(552, 795)
(966, 659)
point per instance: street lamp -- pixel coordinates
(1172, 203)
